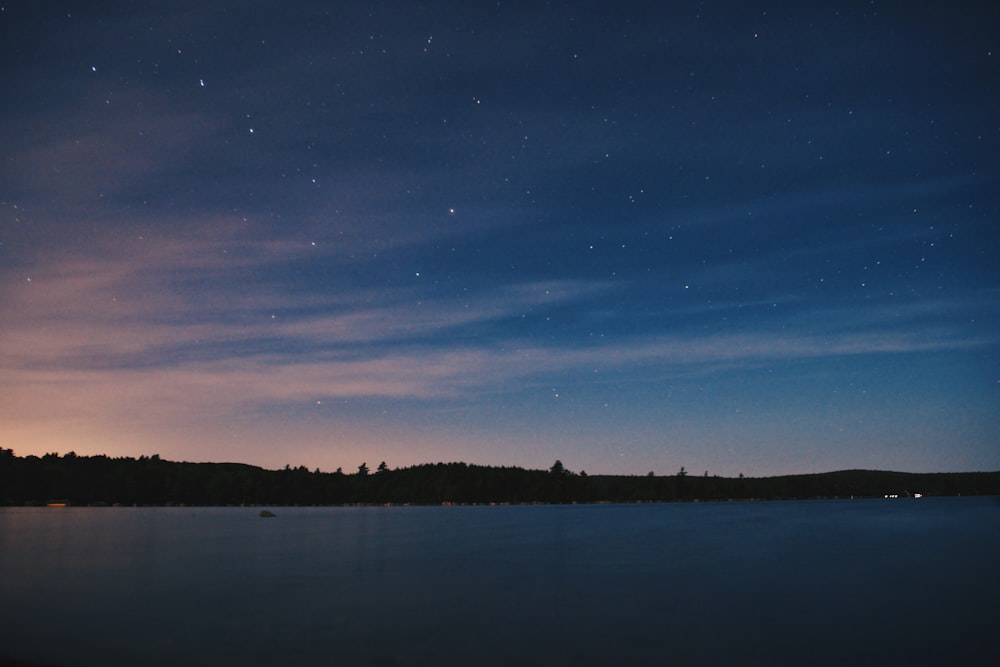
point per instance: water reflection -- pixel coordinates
(746, 583)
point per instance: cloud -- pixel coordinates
(157, 302)
(154, 332)
(220, 389)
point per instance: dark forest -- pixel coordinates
(149, 480)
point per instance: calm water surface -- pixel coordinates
(872, 582)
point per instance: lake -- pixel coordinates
(847, 582)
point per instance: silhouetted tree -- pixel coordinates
(363, 469)
(382, 467)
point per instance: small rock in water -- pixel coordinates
(266, 514)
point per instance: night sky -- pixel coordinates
(738, 237)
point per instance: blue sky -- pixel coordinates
(755, 238)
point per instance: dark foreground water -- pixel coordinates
(862, 582)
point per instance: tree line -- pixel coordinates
(150, 480)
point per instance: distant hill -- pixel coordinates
(101, 480)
